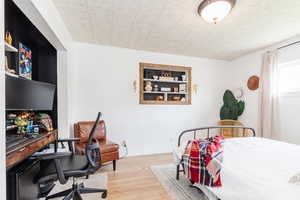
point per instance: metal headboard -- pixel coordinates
(194, 131)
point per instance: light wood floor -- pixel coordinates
(134, 179)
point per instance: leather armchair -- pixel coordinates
(109, 150)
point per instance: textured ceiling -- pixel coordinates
(173, 26)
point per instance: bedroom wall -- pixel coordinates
(101, 80)
(290, 102)
(246, 66)
(242, 68)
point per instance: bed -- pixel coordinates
(253, 168)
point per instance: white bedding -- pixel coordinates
(257, 169)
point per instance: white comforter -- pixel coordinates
(257, 169)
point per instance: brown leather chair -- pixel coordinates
(109, 150)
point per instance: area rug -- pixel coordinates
(94, 181)
(177, 189)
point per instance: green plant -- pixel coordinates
(232, 108)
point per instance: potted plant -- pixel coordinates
(232, 108)
(230, 111)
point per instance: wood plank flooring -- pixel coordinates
(134, 179)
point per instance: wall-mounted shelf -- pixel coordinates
(10, 48)
(169, 84)
(25, 94)
(164, 81)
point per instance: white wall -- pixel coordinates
(290, 102)
(2, 106)
(102, 81)
(242, 68)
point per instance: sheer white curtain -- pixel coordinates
(269, 116)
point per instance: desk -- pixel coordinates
(21, 170)
(21, 151)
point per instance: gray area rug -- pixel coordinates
(94, 181)
(179, 190)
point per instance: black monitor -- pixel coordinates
(23, 94)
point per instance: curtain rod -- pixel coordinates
(282, 47)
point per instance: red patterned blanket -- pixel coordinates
(202, 161)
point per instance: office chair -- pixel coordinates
(62, 166)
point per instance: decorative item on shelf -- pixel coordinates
(159, 98)
(155, 77)
(148, 86)
(183, 99)
(183, 77)
(253, 82)
(232, 108)
(25, 61)
(175, 89)
(36, 129)
(134, 86)
(44, 121)
(8, 38)
(166, 76)
(22, 121)
(156, 88)
(11, 116)
(195, 88)
(7, 69)
(165, 89)
(176, 98)
(29, 128)
(10, 121)
(182, 87)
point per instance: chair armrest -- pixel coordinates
(52, 156)
(69, 141)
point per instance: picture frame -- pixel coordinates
(25, 61)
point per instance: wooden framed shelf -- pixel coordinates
(165, 84)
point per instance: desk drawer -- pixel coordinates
(23, 152)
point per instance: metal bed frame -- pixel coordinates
(194, 131)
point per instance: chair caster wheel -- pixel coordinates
(104, 195)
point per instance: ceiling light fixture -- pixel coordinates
(214, 11)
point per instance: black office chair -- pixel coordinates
(62, 166)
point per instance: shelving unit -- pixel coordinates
(168, 84)
(44, 66)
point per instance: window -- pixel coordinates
(289, 77)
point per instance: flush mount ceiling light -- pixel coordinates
(214, 11)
